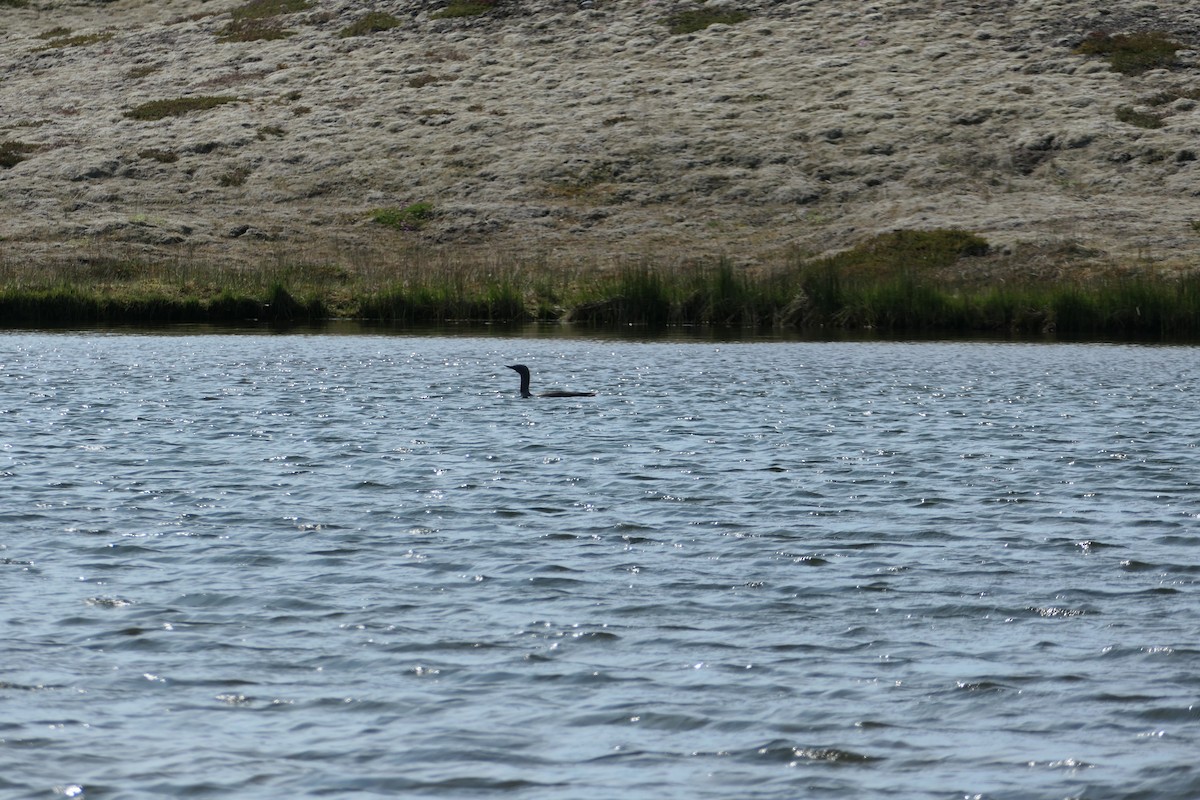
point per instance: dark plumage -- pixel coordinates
(523, 371)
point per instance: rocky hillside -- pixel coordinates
(587, 132)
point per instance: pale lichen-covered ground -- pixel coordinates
(590, 135)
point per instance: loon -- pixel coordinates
(523, 371)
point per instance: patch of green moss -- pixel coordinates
(593, 184)
(700, 18)
(464, 8)
(1134, 53)
(1142, 119)
(235, 177)
(159, 109)
(61, 37)
(261, 9)
(372, 23)
(409, 218)
(140, 72)
(253, 30)
(161, 156)
(14, 3)
(1171, 95)
(910, 249)
(13, 153)
(257, 21)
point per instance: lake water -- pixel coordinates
(294, 566)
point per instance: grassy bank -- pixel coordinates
(907, 282)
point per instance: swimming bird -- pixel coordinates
(523, 371)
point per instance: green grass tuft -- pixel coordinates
(262, 9)
(257, 20)
(74, 305)
(909, 250)
(236, 176)
(61, 37)
(373, 22)
(161, 156)
(159, 109)
(700, 18)
(137, 73)
(1134, 53)
(464, 8)
(409, 218)
(425, 302)
(1142, 119)
(1171, 95)
(253, 30)
(635, 295)
(13, 153)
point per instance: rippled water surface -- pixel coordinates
(350, 566)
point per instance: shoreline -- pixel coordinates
(926, 283)
(683, 334)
